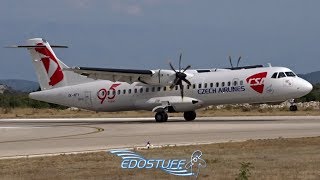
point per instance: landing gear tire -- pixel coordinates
(189, 115)
(293, 108)
(161, 117)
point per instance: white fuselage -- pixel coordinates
(220, 86)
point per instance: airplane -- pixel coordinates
(161, 91)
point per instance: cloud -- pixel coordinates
(126, 8)
(80, 4)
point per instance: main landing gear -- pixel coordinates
(162, 116)
(189, 115)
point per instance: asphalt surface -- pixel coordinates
(24, 137)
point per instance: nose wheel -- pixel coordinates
(293, 108)
(161, 116)
(293, 105)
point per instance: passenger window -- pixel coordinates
(108, 93)
(205, 85)
(188, 86)
(290, 74)
(135, 90)
(176, 87)
(159, 88)
(147, 89)
(129, 91)
(124, 91)
(235, 83)
(281, 75)
(274, 76)
(241, 83)
(153, 89)
(217, 84)
(141, 90)
(222, 84)
(211, 84)
(164, 88)
(199, 86)
(229, 83)
(194, 86)
(113, 92)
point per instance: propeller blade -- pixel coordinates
(186, 68)
(172, 67)
(230, 61)
(180, 62)
(188, 82)
(175, 81)
(181, 89)
(238, 61)
(159, 75)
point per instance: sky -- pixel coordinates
(147, 34)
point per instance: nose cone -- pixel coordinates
(304, 87)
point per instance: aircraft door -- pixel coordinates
(87, 98)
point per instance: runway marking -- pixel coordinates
(96, 130)
(18, 127)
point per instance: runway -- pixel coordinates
(23, 137)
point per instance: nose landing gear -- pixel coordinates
(293, 106)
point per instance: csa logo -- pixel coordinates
(256, 81)
(51, 65)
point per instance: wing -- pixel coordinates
(123, 75)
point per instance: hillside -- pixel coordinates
(20, 85)
(313, 77)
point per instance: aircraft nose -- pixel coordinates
(305, 87)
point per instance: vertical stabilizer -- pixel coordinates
(48, 66)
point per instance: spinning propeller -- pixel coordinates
(180, 76)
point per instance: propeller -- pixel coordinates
(238, 61)
(230, 60)
(180, 76)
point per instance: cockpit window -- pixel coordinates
(290, 74)
(281, 75)
(274, 76)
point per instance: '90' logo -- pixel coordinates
(103, 94)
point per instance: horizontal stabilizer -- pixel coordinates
(37, 46)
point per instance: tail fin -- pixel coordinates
(48, 67)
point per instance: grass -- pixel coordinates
(296, 158)
(58, 113)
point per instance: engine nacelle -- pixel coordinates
(160, 77)
(177, 103)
